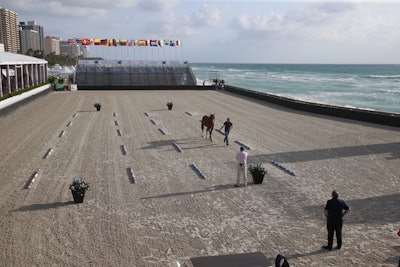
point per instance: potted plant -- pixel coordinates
(78, 189)
(97, 106)
(257, 172)
(169, 105)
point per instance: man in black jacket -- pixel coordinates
(335, 209)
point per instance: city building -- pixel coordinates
(85, 51)
(9, 32)
(51, 45)
(31, 36)
(70, 49)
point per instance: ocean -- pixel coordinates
(370, 87)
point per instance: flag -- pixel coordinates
(166, 42)
(103, 42)
(123, 42)
(160, 43)
(178, 42)
(143, 43)
(153, 43)
(71, 41)
(97, 41)
(85, 41)
(112, 42)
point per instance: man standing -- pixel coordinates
(334, 219)
(228, 127)
(241, 160)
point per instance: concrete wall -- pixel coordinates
(12, 103)
(141, 87)
(377, 117)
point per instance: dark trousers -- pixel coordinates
(335, 225)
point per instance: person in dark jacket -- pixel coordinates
(335, 209)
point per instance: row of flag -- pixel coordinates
(124, 42)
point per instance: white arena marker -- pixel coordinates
(119, 132)
(244, 145)
(153, 121)
(177, 146)
(116, 123)
(283, 168)
(147, 114)
(61, 134)
(132, 175)
(69, 123)
(221, 132)
(75, 115)
(190, 114)
(31, 180)
(48, 153)
(162, 131)
(115, 114)
(202, 175)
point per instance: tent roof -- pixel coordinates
(7, 58)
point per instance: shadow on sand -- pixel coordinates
(210, 189)
(45, 206)
(330, 153)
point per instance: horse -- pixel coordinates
(207, 121)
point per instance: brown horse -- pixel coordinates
(207, 121)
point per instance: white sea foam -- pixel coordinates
(373, 87)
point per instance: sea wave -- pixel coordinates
(374, 87)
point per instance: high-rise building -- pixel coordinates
(30, 38)
(40, 31)
(9, 34)
(51, 45)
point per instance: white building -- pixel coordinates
(19, 72)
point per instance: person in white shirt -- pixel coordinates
(241, 160)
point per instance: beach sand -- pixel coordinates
(171, 214)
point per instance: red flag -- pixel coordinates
(71, 41)
(85, 41)
(104, 42)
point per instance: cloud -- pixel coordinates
(67, 8)
(183, 25)
(207, 16)
(157, 5)
(326, 21)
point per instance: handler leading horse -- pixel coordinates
(207, 121)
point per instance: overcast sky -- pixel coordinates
(245, 31)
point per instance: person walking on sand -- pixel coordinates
(228, 126)
(334, 219)
(241, 160)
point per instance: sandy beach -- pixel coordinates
(171, 214)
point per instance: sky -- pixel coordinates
(244, 31)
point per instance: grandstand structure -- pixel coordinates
(134, 74)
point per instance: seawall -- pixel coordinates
(377, 117)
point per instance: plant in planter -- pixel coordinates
(169, 105)
(257, 172)
(78, 189)
(97, 106)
